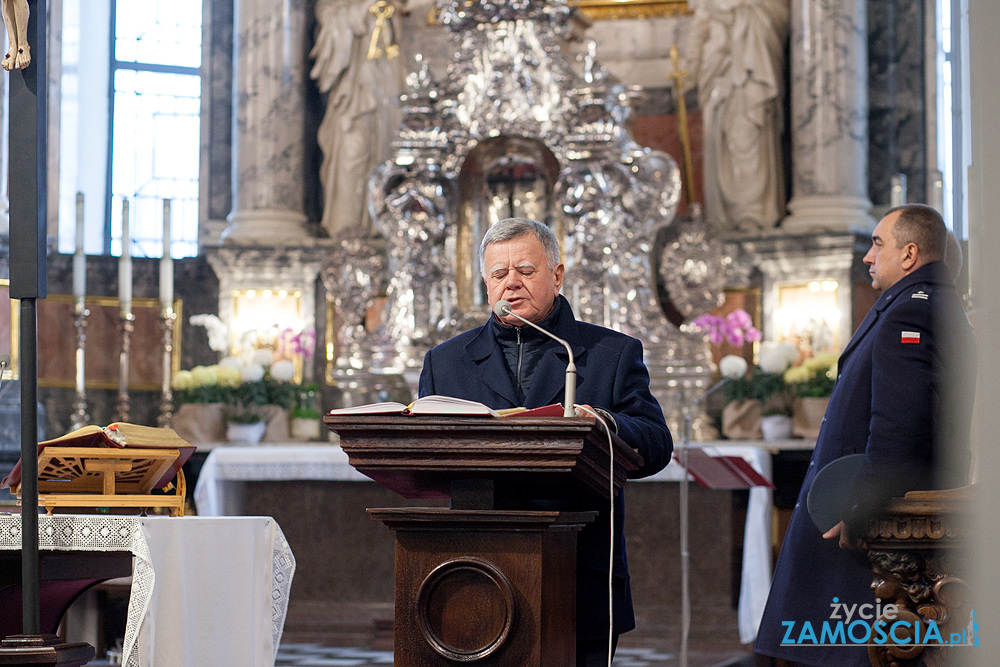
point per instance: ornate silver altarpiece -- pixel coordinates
(518, 128)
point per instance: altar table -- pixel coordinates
(205, 591)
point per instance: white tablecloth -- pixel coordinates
(205, 591)
(219, 492)
(220, 487)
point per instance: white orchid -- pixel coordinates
(776, 357)
(218, 332)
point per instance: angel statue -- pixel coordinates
(357, 66)
(15, 17)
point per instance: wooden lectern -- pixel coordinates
(488, 581)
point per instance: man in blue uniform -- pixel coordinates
(902, 397)
(505, 365)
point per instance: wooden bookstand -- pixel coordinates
(106, 477)
(488, 581)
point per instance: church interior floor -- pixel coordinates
(315, 655)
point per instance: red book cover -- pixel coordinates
(723, 472)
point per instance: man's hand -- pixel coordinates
(847, 541)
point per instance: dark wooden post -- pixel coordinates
(26, 184)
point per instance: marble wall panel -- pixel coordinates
(896, 98)
(217, 109)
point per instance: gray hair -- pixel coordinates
(514, 228)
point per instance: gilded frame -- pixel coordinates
(597, 10)
(57, 336)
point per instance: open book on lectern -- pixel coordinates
(119, 435)
(445, 405)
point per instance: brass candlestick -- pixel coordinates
(80, 417)
(167, 319)
(126, 323)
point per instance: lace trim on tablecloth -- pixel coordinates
(98, 533)
(282, 570)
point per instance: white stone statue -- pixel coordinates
(15, 17)
(740, 84)
(362, 114)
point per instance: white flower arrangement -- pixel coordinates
(218, 332)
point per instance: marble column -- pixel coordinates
(4, 151)
(269, 110)
(828, 53)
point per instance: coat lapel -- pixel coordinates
(485, 352)
(548, 385)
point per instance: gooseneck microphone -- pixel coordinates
(4, 363)
(503, 309)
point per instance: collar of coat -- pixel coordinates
(548, 383)
(564, 325)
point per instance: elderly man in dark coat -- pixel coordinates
(902, 399)
(504, 364)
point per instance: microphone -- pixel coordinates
(4, 363)
(503, 309)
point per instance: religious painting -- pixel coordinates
(808, 316)
(631, 9)
(103, 343)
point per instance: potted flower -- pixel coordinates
(305, 417)
(760, 404)
(811, 383)
(772, 392)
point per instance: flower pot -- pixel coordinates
(305, 428)
(741, 420)
(776, 427)
(200, 422)
(245, 434)
(807, 416)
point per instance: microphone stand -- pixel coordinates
(503, 309)
(685, 550)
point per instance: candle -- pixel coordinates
(79, 257)
(166, 263)
(897, 190)
(937, 191)
(125, 265)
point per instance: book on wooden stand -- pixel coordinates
(118, 465)
(717, 471)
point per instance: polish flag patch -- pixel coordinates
(909, 337)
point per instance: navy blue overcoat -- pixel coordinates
(610, 375)
(902, 396)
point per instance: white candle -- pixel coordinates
(125, 265)
(166, 263)
(937, 191)
(897, 190)
(79, 257)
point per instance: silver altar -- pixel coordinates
(520, 128)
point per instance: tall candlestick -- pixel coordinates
(79, 257)
(166, 263)
(125, 265)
